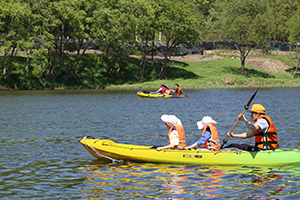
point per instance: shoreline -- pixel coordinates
(196, 71)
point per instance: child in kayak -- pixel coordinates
(210, 137)
(178, 90)
(164, 90)
(176, 133)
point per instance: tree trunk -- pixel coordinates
(296, 68)
(145, 51)
(27, 62)
(243, 55)
(120, 61)
(163, 68)
(110, 66)
(72, 72)
(4, 63)
(144, 66)
(242, 65)
(152, 52)
(9, 70)
(142, 59)
(42, 72)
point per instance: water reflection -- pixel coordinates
(159, 181)
(41, 157)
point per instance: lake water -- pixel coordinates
(42, 158)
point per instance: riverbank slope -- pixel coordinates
(221, 69)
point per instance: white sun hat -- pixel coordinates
(205, 120)
(171, 119)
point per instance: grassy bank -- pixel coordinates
(221, 73)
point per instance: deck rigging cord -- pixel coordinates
(99, 154)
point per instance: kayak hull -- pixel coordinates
(157, 95)
(109, 150)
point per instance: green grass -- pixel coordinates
(221, 73)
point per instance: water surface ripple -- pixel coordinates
(41, 157)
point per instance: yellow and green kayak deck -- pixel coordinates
(157, 95)
(107, 149)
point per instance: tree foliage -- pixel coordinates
(179, 26)
(294, 34)
(44, 44)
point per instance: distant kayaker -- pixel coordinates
(210, 137)
(178, 90)
(164, 90)
(263, 129)
(176, 133)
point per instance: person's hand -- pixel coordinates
(241, 117)
(159, 148)
(229, 134)
(186, 148)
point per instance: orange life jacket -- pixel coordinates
(180, 131)
(168, 91)
(213, 143)
(266, 140)
(179, 91)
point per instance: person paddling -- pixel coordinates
(263, 129)
(178, 90)
(176, 133)
(210, 137)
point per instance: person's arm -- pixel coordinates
(241, 135)
(170, 146)
(174, 141)
(158, 90)
(192, 146)
(250, 126)
(202, 140)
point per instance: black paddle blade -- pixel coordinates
(251, 99)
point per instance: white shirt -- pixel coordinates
(263, 125)
(174, 138)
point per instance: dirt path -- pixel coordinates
(271, 65)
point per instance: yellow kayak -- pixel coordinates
(145, 94)
(109, 150)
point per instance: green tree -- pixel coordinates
(276, 17)
(51, 34)
(80, 24)
(238, 20)
(64, 27)
(114, 27)
(179, 27)
(294, 33)
(147, 14)
(15, 34)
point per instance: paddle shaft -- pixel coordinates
(246, 108)
(237, 121)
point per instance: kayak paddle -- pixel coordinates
(245, 108)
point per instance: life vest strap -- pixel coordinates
(267, 144)
(271, 134)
